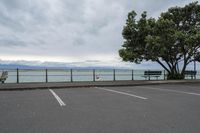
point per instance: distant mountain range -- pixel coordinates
(14, 66)
(89, 64)
(19, 66)
(78, 65)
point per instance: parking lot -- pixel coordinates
(133, 109)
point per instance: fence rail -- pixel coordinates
(73, 75)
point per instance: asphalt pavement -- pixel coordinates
(161, 108)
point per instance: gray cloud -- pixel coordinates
(79, 41)
(11, 42)
(66, 30)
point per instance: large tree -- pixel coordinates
(172, 40)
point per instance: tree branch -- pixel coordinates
(159, 62)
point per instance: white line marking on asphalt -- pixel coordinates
(123, 93)
(184, 92)
(57, 98)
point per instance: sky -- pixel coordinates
(70, 32)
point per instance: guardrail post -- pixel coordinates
(149, 75)
(94, 75)
(113, 74)
(17, 75)
(71, 75)
(46, 72)
(132, 75)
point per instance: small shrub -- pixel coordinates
(177, 76)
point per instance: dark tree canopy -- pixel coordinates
(172, 40)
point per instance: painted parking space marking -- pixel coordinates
(57, 98)
(169, 90)
(123, 93)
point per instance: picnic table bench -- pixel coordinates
(190, 73)
(3, 76)
(149, 74)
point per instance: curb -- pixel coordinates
(112, 84)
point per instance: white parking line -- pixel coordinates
(168, 90)
(123, 93)
(192, 87)
(57, 98)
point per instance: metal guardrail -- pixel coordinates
(73, 75)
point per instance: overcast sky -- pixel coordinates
(72, 31)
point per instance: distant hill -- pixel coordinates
(13, 66)
(19, 66)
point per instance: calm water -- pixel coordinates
(78, 75)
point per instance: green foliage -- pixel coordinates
(172, 38)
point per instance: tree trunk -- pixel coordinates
(173, 74)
